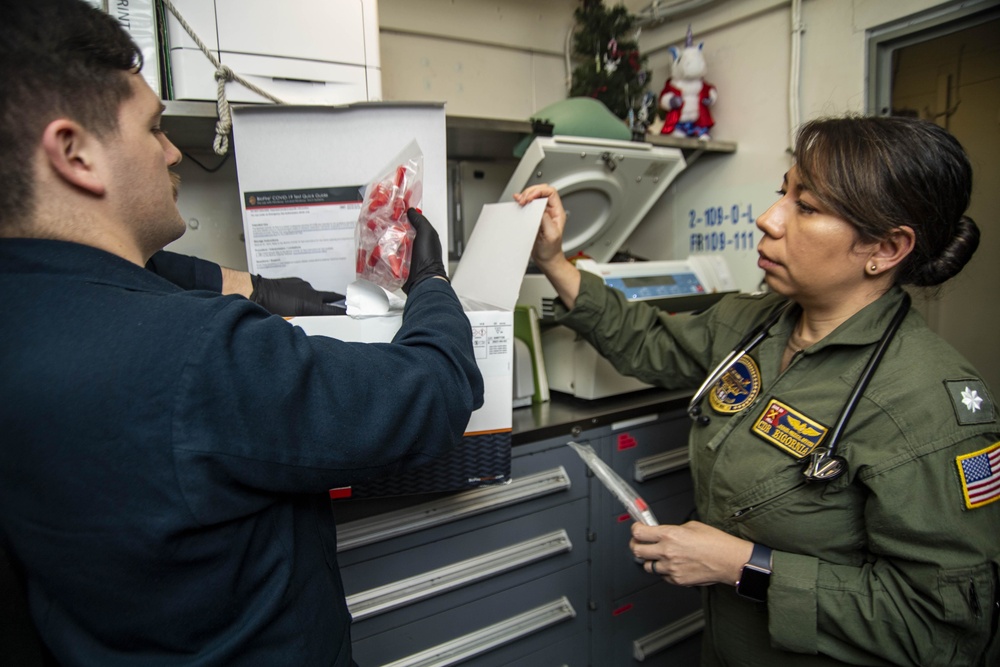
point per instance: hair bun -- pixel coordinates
(952, 258)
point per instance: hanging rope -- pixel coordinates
(223, 75)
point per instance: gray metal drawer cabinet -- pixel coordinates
(484, 576)
(626, 576)
(542, 477)
(494, 630)
(637, 617)
(404, 587)
(653, 624)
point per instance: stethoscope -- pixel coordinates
(824, 465)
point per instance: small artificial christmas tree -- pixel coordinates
(609, 67)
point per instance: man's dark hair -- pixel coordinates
(58, 58)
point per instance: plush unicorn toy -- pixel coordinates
(686, 96)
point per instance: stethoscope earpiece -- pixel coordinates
(694, 411)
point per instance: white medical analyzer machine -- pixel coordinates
(607, 187)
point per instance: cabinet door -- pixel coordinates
(657, 621)
(672, 645)
(570, 652)
(636, 613)
(626, 575)
(644, 454)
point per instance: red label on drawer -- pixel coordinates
(622, 609)
(626, 441)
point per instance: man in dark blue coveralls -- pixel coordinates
(165, 453)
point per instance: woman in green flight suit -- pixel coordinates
(893, 562)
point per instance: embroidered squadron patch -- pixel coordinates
(789, 429)
(971, 401)
(980, 475)
(737, 388)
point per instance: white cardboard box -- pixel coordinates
(293, 149)
(487, 281)
(504, 234)
(301, 148)
(492, 339)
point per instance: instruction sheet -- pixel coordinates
(304, 233)
(302, 172)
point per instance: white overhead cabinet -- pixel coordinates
(300, 51)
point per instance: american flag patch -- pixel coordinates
(980, 475)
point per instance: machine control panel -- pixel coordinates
(656, 286)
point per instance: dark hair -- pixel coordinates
(881, 173)
(58, 58)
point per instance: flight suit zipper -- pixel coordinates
(977, 611)
(744, 511)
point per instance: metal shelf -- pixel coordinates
(191, 126)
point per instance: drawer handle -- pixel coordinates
(453, 508)
(661, 464)
(488, 638)
(435, 582)
(632, 423)
(668, 635)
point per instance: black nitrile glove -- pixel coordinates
(291, 297)
(426, 260)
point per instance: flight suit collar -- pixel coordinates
(863, 328)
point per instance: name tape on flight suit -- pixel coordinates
(789, 429)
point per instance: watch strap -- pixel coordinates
(760, 557)
(756, 575)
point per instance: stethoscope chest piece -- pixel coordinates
(824, 468)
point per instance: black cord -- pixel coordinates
(866, 374)
(210, 170)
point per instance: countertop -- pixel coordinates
(567, 415)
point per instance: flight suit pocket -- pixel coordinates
(968, 597)
(779, 514)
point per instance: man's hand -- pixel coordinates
(426, 261)
(290, 297)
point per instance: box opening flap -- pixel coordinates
(497, 254)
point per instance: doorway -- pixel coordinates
(944, 66)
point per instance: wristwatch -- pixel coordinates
(756, 575)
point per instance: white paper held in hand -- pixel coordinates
(636, 506)
(487, 272)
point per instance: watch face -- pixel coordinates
(753, 583)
